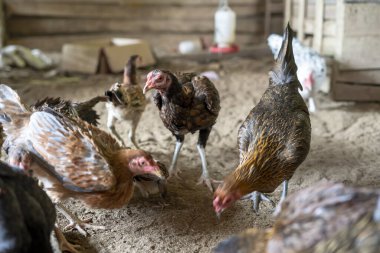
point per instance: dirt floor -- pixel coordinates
(345, 147)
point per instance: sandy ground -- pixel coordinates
(345, 147)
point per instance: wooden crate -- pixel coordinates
(349, 31)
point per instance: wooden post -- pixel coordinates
(301, 19)
(268, 13)
(288, 13)
(2, 25)
(318, 25)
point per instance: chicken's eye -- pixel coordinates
(142, 163)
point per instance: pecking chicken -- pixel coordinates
(126, 101)
(83, 110)
(186, 103)
(312, 71)
(71, 158)
(27, 215)
(151, 184)
(324, 218)
(273, 140)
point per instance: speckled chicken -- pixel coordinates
(126, 101)
(273, 140)
(27, 215)
(83, 110)
(187, 103)
(324, 218)
(71, 157)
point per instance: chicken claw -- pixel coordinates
(257, 197)
(64, 245)
(76, 223)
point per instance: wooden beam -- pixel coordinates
(301, 18)
(359, 76)
(318, 25)
(353, 92)
(139, 2)
(268, 13)
(115, 11)
(288, 13)
(46, 26)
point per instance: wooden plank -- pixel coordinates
(352, 92)
(80, 10)
(139, 2)
(318, 23)
(268, 13)
(163, 44)
(359, 76)
(359, 53)
(361, 19)
(328, 46)
(329, 11)
(2, 25)
(329, 27)
(46, 26)
(288, 13)
(301, 18)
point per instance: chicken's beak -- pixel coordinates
(148, 85)
(156, 171)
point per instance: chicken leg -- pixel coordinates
(173, 171)
(64, 245)
(202, 140)
(132, 132)
(111, 126)
(75, 222)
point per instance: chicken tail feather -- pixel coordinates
(10, 104)
(285, 68)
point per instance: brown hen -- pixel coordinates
(186, 103)
(273, 140)
(71, 157)
(325, 218)
(126, 101)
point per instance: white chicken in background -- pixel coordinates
(311, 68)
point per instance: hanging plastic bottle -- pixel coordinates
(225, 25)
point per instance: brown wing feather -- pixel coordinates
(73, 151)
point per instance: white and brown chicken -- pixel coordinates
(126, 101)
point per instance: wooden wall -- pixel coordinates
(47, 24)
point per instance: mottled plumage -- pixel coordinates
(275, 137)
(187, 103)
(126, 101)
(71, 157)
(27, 215)
(324, 218)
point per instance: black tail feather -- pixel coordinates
(285, 68)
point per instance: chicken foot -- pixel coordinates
(202, 140)
(75, 222)
(173, 171)
(257, 197)
(283, 196)
(64, 245)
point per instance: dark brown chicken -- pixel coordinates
(186, 103)
(325, 218)
(83, 110)
(273, 140)
(27, 215)
(71, 157)
(126, 101)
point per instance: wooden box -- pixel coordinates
(104, 55)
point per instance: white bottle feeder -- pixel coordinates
(225, 26)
